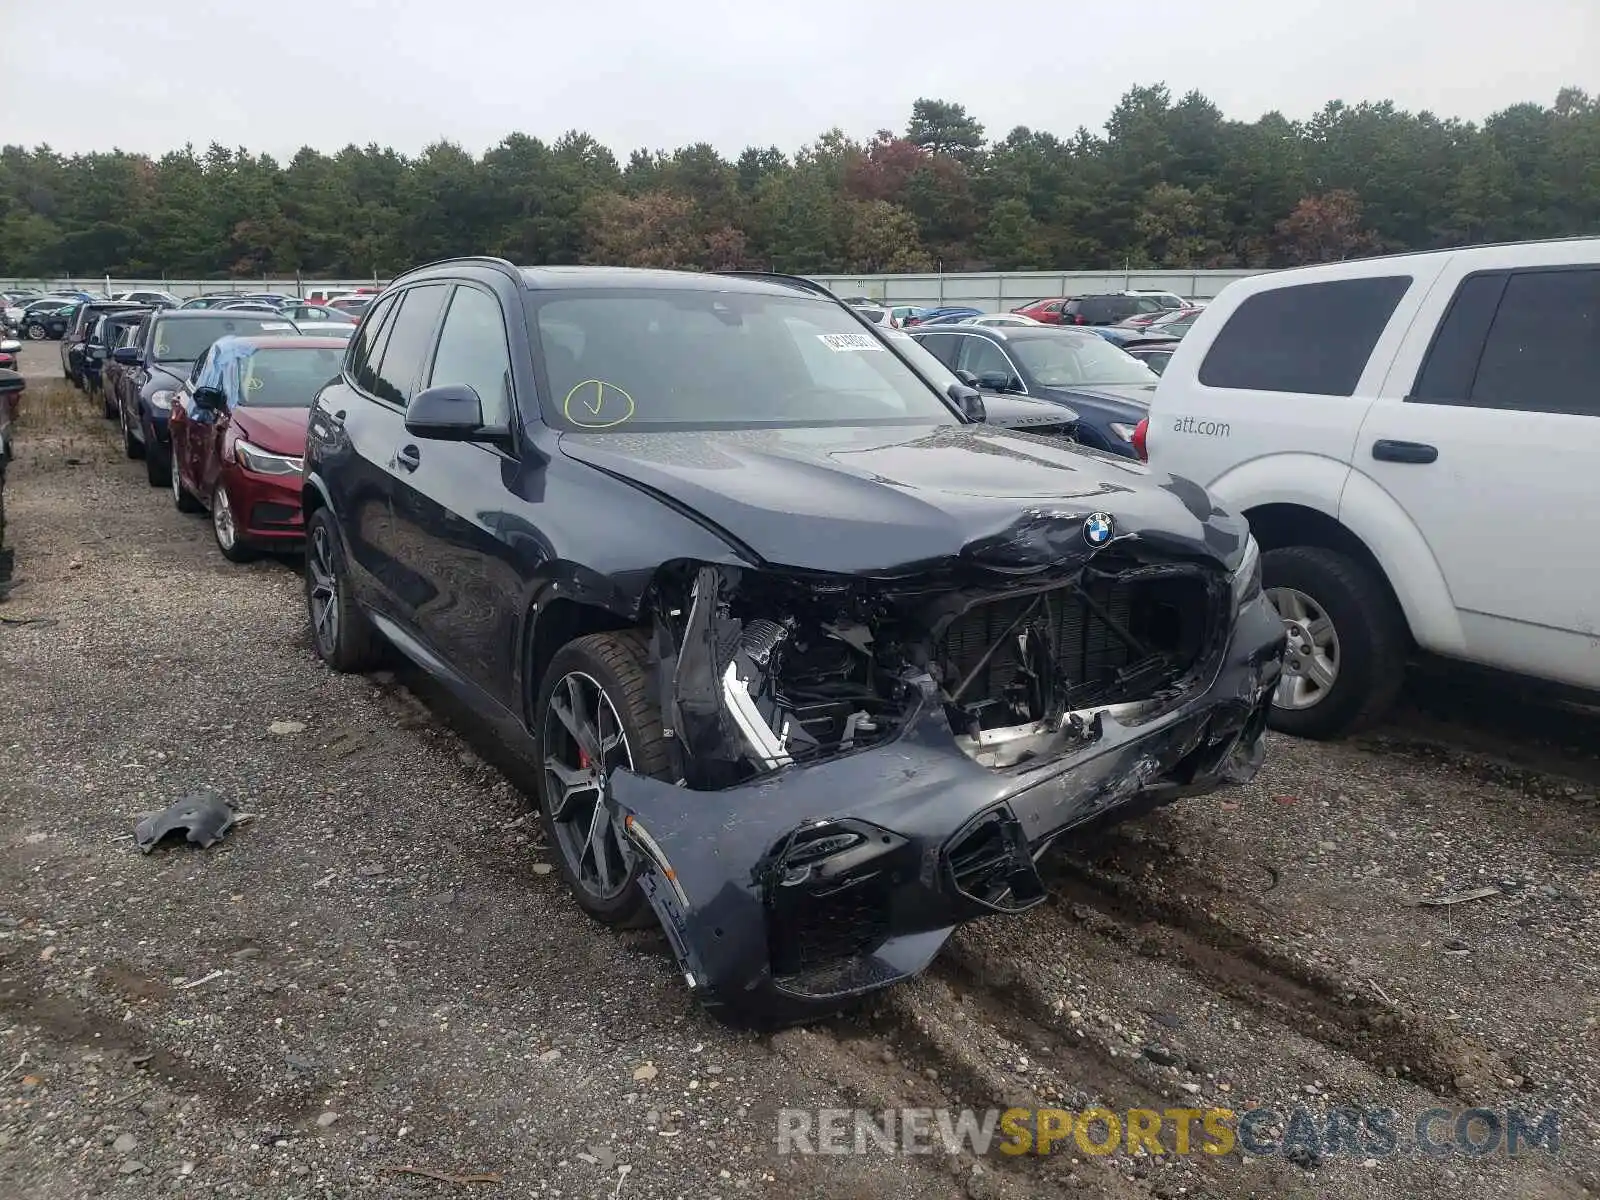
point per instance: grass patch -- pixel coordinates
(54, 406)
(57, 423)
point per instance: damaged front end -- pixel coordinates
(860, 765)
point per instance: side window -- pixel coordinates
(367, 344)
(200, 366)
(1543, 349)
(946, 347)
(983, 357)
(1053, 307)
(1452, 362)
(472, 350)
(1312, 338)
(409, 342)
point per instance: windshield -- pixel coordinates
(1074, 359)
(186, 339)
(645, 360)
(285, 378)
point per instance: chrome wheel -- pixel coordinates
(324, 592)
(221, 517)
(35, 333)
(1311, 659)
(583, 741)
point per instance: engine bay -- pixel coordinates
(758, 670)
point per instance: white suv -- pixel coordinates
(1416, 442)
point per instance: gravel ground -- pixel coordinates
(379, 970)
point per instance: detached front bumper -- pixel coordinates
(788, 896)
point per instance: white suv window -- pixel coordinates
(1313, 338)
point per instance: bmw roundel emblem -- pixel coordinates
(1097, 528)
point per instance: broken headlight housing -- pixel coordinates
(1247, 576)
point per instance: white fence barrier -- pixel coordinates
(992, 291)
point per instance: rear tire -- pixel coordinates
(346, 640)
(1371, 638)
(618, 663)
(182, 499)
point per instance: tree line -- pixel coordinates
(1169, 184)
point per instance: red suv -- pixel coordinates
(239, 435)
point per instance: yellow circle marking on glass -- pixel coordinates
(595, 404)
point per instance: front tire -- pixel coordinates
(157, 460)
(1348, 642)
(341, 633)
(594, 714)
(225, 527)
(35, 333)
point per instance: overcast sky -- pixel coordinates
(663, 73)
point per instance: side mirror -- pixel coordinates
(450, 412)
(210, 399)
(128, 356)
(995, 381)
(969, 402)
(10, 346)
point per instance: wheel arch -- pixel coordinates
(552, 622)
(1424, 602)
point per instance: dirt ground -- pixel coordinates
(380, 971)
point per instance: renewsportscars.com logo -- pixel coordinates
(1303, 1134)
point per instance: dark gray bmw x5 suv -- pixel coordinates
(816, 666)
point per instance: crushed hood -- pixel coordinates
(280, 430)
(887, 501)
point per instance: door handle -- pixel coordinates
(408, 458)
(1387, 450)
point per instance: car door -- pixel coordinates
(449, 508)
(185, 429)
(1490, 444)
(136, 376)
(375, 425)
(209, 429)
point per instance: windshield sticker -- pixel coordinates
(277, 324)
(841, 343)
(595, 404)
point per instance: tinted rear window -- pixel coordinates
(1314, 338)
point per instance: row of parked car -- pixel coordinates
(36, 317)
(823, 630)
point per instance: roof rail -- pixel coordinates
(795, 281)
(504, 265)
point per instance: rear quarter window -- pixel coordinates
(1311, 338)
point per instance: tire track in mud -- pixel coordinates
(1251, 972)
